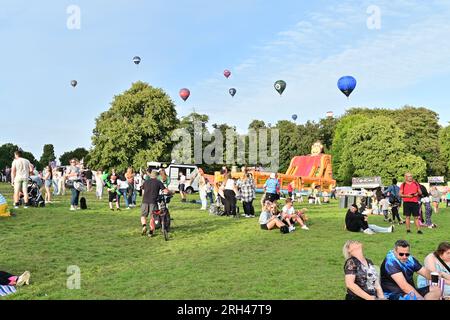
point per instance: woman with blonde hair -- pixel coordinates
(361, 277)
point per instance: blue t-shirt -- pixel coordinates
(394, 191)
(271, 185)
(391, 265)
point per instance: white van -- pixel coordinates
(173, 171)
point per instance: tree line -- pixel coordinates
(138, 126)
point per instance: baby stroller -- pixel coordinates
(161, 218)
(218, 208)
(35, 198)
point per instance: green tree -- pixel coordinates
(327, 128)
(421, 127)
(7, 156)
(48, 155)
(344, 125)
(444, 140)
(366, 152)
(79, 153)
(136, 129)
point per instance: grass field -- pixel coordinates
(207, 257)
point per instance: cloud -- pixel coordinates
(331, 43)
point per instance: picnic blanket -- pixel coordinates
(4, 212)
(6, 290)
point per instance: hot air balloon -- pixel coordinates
(347, 84)
(184, 94)
(294, 117)
(137, 60)
(330, 114)
(227, 73)
(280, 86)
(73, 83)
(232, 91)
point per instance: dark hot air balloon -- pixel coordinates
(232, 91)
(184, 94)
(294, 117)
(347, 84)
(280, 86)
(227, 73)
(137, 60)
(73, 83)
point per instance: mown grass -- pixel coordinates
(207, 257)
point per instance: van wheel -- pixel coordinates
(189, 190)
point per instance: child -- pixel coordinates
(290, 189)
(209, 192)
(112, 192)
(290, 217)
(384, 206)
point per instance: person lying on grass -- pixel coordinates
(268, 219)
(290, 217)
(7, 279)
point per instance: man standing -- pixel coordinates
(397, 275)
(410, 193)
(182, 186)
(150, 193)
(20, 172)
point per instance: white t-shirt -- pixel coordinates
(182, 179)
(122, 184)
(384, 203)
(291, 210)
(230, 184)
(22, 168)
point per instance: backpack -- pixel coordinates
(284, 229)
(83, 204)
(402, 188)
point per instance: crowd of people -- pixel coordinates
(395, 280)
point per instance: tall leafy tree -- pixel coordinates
(366, 152)
(7, 156)
(48, 155)
(78, 153)
(444, 139)
(421, 127)
(136, 129)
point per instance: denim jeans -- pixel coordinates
(378, 229)
(55, 187)
(75, 197)
(123, 192)
(209, 195)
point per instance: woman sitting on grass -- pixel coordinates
(290, 217)
(357, 222)
(361, 277)
(268, 219)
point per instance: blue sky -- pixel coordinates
(310, 44)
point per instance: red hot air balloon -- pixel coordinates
(184, 94)
(227, 73)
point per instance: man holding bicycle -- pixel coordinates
(150, 192)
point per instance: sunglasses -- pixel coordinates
(404, 254)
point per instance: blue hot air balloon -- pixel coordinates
(347, 84)
(294, 117)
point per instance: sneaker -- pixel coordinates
(25, 207)
(408, 231)
(392, 229)
(305, 228)
(118, 209)
(72, 208)
(144, 230)
(368, 231)
(150, 234)
(419, 232)
(430, 227)
(128, 208)
(24, 279)
(16, 207)
(111, 209)
(291, 228)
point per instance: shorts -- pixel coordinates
(147, 208)
(21, 185)
(410, 209)
(272, 197)
(181, 187)
(112, 196)
(264, 227)
(422, 291)
(48, 183)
